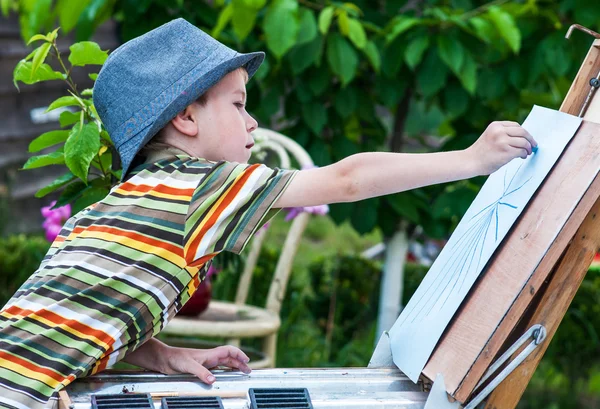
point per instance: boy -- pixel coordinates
(173, 101)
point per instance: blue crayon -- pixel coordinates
(535, 149)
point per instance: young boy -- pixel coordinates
(173, 101)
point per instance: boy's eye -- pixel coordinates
(239, 104)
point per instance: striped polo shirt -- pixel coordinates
(121, 268)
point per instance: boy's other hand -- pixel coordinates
(199, 361)
(501, 142)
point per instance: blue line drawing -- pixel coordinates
(466, 250)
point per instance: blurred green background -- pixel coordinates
(347, 77)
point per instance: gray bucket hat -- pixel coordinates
(147, 81)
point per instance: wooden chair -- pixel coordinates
(237, 320)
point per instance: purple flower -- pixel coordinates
(55, 218)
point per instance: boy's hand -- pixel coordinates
(501, 142)
(199, 361)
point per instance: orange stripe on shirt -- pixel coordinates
(36, 369)
(62, 322)
(130, 187)
(227, 198)
(131, 235)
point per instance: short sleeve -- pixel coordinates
(229, 204)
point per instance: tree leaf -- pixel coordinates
(33, 15)
(325, 19)
(54, 158)
(81, 147)
(56, 184)
(484, 29)
(243, 21)
(357, 33)
(432, 75)
(48, 139)
(407, 205)
(23, 73)
(91, 17)
(343, 23)
(63, 102)
(70, 194)
(342, 58)
(308, 27)
(373, 55)
(455, 200)
(319, 81)
(281, 26)
(399, 25)
(456, 100)
(352, 129)
(315, 116)
(69, 12)
(87, 53)
(415, 50)
(303, 56)
(506, 26)
(5, 6)
(468, 74)
(346, 101)
(37, 37)
(451, 52)
(67, 118)
(364, 215)
(39, 57)
(89, 196)
(224, 18)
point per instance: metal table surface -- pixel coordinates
(328, 387)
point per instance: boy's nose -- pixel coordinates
(252, 124)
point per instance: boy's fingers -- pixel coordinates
(201, 372)
(231, 351)
(228, 355)
(520, 153)
(521, 132)
(231, 362)
(520, 142)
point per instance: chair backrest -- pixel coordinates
(284, 149)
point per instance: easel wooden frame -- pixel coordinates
(572, 268)
(546, 294)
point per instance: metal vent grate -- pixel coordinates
(289, 398)
(122, 401)
(192, 402)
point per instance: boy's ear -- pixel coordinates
(185, 122)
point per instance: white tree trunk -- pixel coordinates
(392, 281)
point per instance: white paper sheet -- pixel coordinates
(483, 227)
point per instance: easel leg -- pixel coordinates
(553, 306)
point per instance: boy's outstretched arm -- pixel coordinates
(372, 174)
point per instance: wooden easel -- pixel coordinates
(544, 287)
(575, 262)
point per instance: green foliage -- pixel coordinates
(20, 256)
(393, 79)
(82, 146)
(446, 58)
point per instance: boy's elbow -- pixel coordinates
(346, 184)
